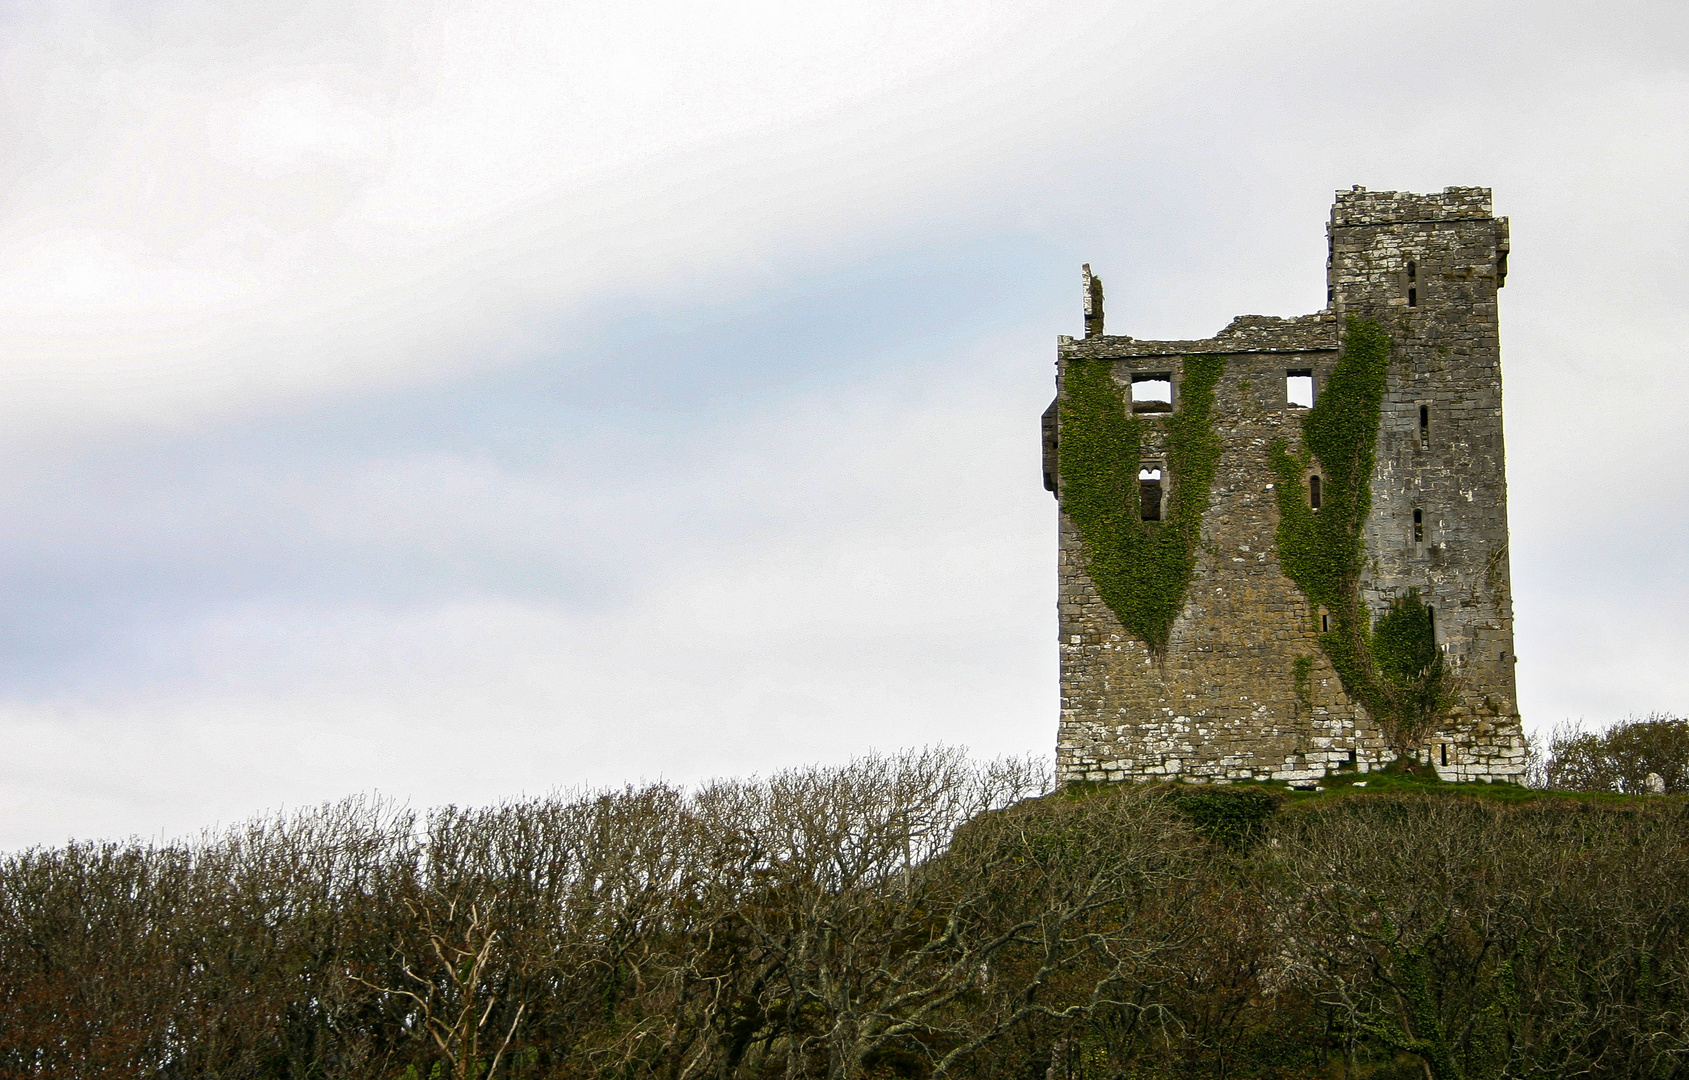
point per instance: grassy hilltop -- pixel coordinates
(910, 916)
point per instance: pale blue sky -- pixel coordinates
(460, 402)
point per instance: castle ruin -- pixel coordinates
(1283, 549)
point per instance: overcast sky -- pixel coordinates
(459, 401)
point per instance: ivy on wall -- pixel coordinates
(1417, 687)
(1141, 568)
(1393, 668)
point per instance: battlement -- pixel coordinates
(1236, 598)
(1358, 206)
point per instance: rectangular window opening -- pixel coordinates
(1445, 749)
(1152, 393)
(1419, 526)
(1425, 427)
(1314, 493)
(1412, 284)
(1325, 621)
(1299, 389)
(1149, 494)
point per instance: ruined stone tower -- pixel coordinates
(1284, 548)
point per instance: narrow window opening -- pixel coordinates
(1299, 389)
(1425, 427)
(1152, 393)
(1412, 284)
(1325, 621)
(1149, 494)
(1419, 526)
(1331, 256)
(1314, 493)
(1502, 655)
(1445, 750)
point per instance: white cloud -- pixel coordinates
(839, 618)
(219, 204)
(220, 224)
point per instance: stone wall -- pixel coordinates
(1242, 689)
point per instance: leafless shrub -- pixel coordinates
(447, 984)
(913, 915)
(1620, 759)
(812, 918)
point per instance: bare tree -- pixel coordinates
(916, 915)
(447, 984)
(907, 905)
(1634, 756)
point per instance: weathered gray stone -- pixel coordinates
(1220, 702)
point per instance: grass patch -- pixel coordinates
(1230, 812)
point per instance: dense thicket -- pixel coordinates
(1621, 758)
(917, 915)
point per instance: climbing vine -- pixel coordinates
(1303, 670)
(1417, 686)
(1141, 568)
(1393, 668)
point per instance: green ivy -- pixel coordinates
(1416, 686)
(1141, 568)
(1323, 552)
(1303, 670)
(1394, 669)
(1233, 816)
